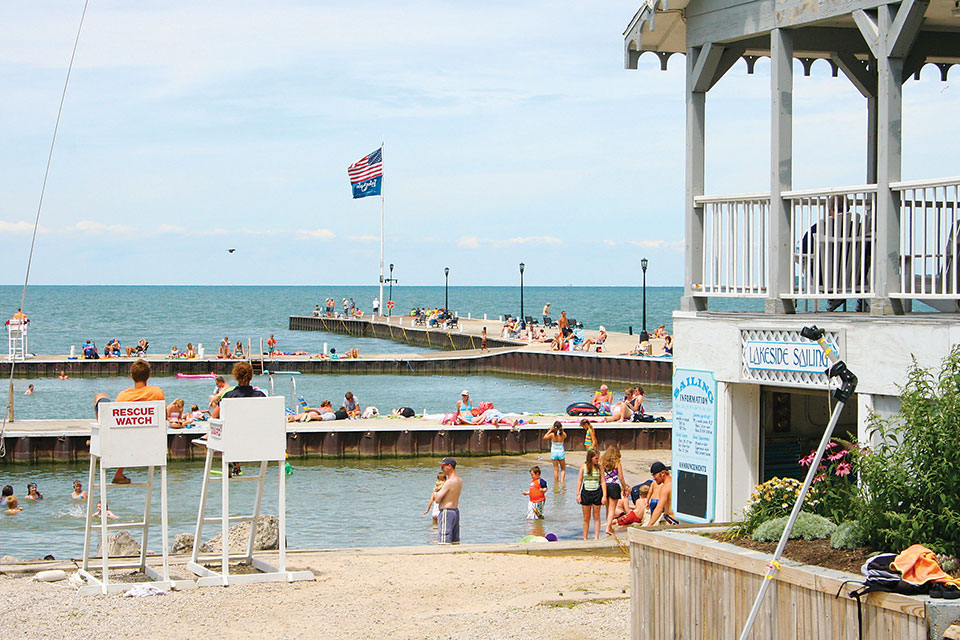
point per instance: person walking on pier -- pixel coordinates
(376, 307)
(448, 522)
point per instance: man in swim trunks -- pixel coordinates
(448, 522)
(661, 494)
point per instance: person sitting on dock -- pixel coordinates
(668, 345)
(190, 352)
(224, 351)
(642, 348)
(598, 342)
(140, 350)
(90, 351)
(175, 417)
(351, 405)
(602, 399)
(463, 413)
(139, 392)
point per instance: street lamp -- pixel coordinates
(446, 288)
(521, 294)
(643, 265)
(391, 280)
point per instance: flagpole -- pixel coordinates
(381, 233)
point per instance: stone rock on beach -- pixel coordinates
(183, 544)
(119, 544)
(268, 536)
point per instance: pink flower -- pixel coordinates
(831, 444)
(808, 460)
(833, 457)
(819, 478)
(844, 469)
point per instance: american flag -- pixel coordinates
(367, 167)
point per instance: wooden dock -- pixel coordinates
(31, 441)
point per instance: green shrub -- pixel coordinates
(848, 535)
(772, 499)
(910, 477)
(808, 526)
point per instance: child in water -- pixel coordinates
(537, 494)
(441, 478)
(13, 507)
(32, 493)
(109, 513)
(78, 492)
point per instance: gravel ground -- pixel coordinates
(465, 595)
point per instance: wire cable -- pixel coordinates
(36, 222)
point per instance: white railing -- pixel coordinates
(929, 243)
(735, 232)
(832, 233)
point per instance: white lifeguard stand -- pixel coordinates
(249, 430)
(17, 339)
(127, 434)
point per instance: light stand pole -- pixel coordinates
(446, 288)
(521, 294)
(391, 280)
(643, 265)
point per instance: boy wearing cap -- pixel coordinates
(661, 494)
(448, 498)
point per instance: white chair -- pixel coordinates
(127, 434)
(248, 430)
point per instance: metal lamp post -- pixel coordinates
(446, 288)
(521, 294)
(391, 280)
(643, 265)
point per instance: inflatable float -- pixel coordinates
(197, 376)
(583, 409)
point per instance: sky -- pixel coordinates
(512, 134)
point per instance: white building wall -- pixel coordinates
(878, 350)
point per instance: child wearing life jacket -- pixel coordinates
(537, 494)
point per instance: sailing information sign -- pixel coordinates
(694, 444)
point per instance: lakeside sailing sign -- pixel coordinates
(784, 356)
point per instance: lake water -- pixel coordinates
(344, 503)
(174, 315)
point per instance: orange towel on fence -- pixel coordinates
(918, 565)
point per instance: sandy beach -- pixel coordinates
(445, 595)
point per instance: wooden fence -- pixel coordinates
(685, 586)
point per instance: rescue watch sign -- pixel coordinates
(145, 416)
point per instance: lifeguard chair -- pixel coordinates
(17, 339)
(249, 430)
(127, 434)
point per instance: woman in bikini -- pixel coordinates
(614, 479)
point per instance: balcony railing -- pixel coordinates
(735, 235)
(832, 233)
(929, 228)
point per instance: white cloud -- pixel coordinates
(676, 245)
(318, 234)
(91, 226)
(21, 226)
(364, 238)
(473, 242)
(468, 242)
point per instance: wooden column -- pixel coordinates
(781, 171)
(693, 214)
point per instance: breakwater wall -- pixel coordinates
(394, 442)
(395, 331)
(510, 356)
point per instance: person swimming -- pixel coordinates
(78, 492)
(32, 493)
